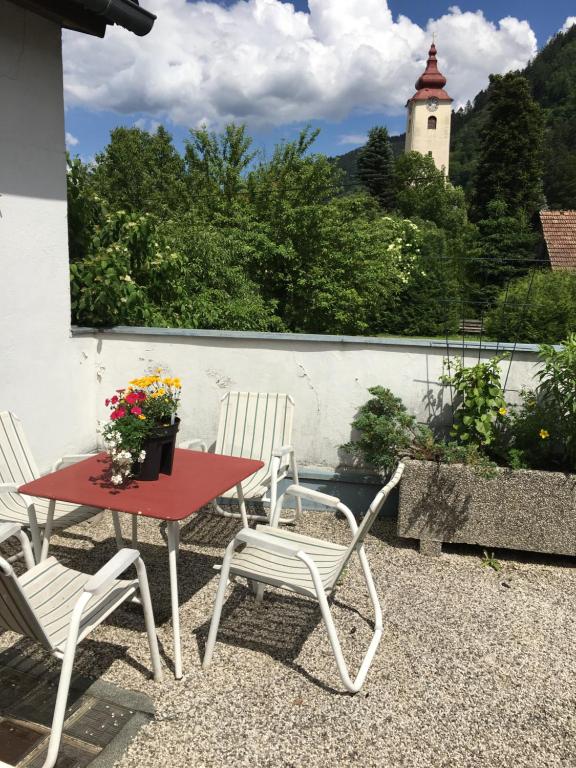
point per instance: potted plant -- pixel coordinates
(503, 477)
(140, 435)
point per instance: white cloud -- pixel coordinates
(264, 63)
(146, 124)
(570, 21)
(353, 138)
(71, 141)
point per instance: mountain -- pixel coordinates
(552, 76)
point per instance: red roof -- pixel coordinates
(431, 82)
(559, 230)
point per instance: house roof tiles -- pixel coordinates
(559, 230)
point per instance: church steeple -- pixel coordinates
(430, 115)
(431, 77)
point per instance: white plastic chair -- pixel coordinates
(58, 607)
(17, 466)
(256, 425)
(305, 565)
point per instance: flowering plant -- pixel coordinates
(135, 412)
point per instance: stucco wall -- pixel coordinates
(327, 376)
(43, 372)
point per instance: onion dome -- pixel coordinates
(432, 77)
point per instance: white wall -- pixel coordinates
(43, 371)
(327, 376)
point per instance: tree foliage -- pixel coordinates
(510, 163)
(376, 167)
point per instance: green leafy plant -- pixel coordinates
(489, 561)
(387, 432)
(479, 401)
(557, 392)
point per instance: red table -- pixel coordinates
(197, 478)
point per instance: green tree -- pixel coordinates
(215, 168)
(508, 249)
(376, 168)
(86, 209)
(539, 307)
(510, 163)
(141, 172)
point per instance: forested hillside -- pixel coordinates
(552, 77)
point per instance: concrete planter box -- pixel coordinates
(518, 509)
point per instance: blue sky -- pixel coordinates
(104, 89)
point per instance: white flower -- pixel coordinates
(141, 456)
(117, 479)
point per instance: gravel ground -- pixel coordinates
(475, 668)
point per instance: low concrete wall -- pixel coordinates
(328, 376)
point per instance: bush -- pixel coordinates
(539, 307)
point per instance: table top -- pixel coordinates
(197, 478)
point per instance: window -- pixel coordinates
(432, 123)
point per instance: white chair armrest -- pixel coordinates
(109, 572)
(7, 530)
(187, 445)
(69, 459)
(269, 543)
(284, 450)
(311, 495)
(8, 488)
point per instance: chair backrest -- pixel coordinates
(16, 613)
(17, 464)
(371, 515)
(252, 425)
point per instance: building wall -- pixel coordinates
(43, 372)
(328, 376)
(420, 138)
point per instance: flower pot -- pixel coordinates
(517, 509)
(159, 449)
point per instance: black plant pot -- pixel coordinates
(159, 449)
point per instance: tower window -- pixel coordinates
(432, 123)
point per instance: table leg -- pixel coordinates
(173, 533)
(117, 530)
(48, 529)
(134, 532)
(242, 503)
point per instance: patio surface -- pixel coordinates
(475, 667)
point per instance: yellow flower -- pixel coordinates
(544, 434)
(502, 411)
(177, 383)
(160, 392)
(142, 417)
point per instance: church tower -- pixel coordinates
(430, 115)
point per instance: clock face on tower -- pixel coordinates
(432, 104)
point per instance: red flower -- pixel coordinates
(136, 410)
(118, 413)
(141, 395)
(114, 400)
(132, 398)
(107, 402)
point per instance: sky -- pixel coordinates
(277, 65)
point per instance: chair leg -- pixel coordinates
(222, 584)
(149, 619)
(64, 684)
(351, 685)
